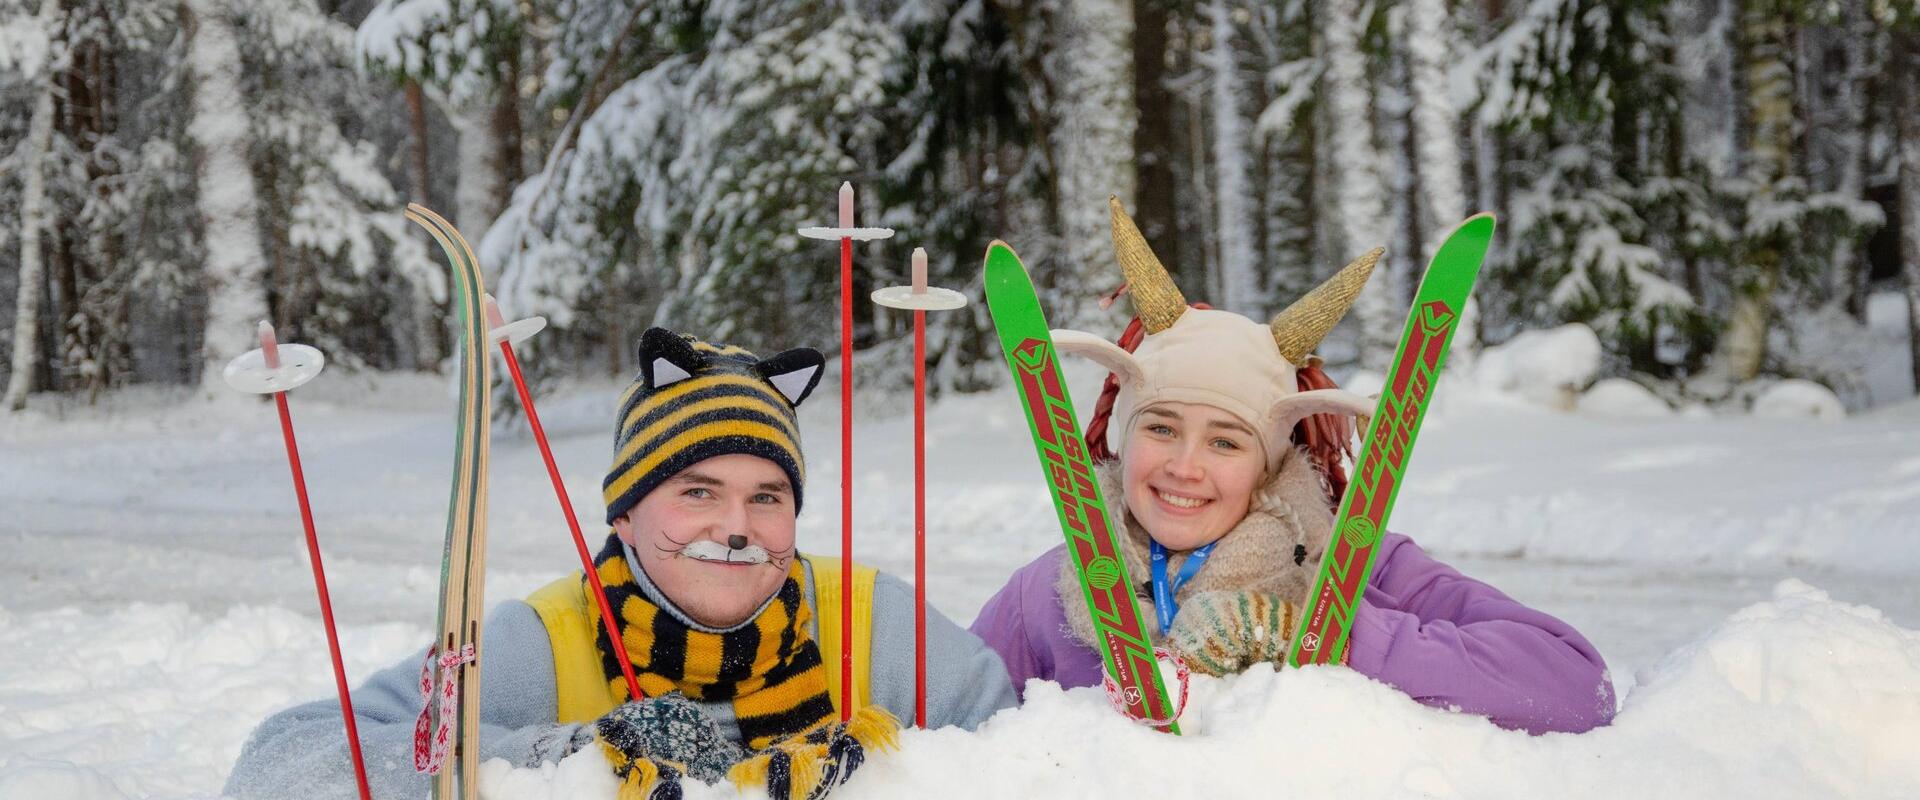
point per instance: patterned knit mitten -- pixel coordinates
(1222, 633)
(651, 743)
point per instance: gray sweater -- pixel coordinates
(302, 751)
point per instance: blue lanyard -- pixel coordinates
(1163, 602)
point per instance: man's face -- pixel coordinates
(700, 535)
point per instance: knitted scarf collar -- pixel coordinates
(1275, 548)
(768, 667)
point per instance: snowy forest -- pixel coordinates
(1715, 188)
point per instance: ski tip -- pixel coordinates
(997, 245)
(1480, 224)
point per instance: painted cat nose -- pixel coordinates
(737, 541)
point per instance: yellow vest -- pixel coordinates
(584, 693)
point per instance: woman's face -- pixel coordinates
(1189, 472)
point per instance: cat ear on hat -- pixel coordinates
(794, 372)
(666, 358)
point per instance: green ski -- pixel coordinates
(1382, 465)
(1091, 541)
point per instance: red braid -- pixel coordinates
(1109, 392)
(1327, 438)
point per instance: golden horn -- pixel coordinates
(1299, 329)
(1157, 300)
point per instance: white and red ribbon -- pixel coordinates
(431, 743)
(1180, 673)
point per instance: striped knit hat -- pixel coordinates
(694, 400)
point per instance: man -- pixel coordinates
(725, 623)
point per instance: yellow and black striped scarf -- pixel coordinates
(770, 669)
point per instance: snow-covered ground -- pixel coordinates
(1750, 581)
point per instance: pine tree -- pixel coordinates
(300, 221)
(1788, 233)
(462, 54)
(683, 188)
(1294, 251)
(1585, 92)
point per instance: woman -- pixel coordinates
(1227, 470)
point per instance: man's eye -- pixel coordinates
(699, 492)
(766, 498)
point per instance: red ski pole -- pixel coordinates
(506, 334)
(261, 372)
(846, 234)
(920, 298)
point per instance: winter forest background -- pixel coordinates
(1700, 218)
(1716, 188)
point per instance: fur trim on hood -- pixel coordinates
(1275, 548)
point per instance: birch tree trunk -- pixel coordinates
(479, 190)
(236, 293)
(1092, 69)
(1769, 81)
(1233, 189)
(33, 218)
(1437, 147)
(1359, 191)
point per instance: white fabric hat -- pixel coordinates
(1219, 358)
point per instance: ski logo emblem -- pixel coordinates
(1360, 532)
(1435, 318)
(1034, 356)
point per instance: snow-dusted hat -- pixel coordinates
(1219, 358)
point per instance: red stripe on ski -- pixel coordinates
(1373, 487)
(1070, 477)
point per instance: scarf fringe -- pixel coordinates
(640, 778)
(875, 728)
(795, 768)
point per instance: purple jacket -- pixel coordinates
(1446, 639)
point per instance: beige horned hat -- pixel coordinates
(1219, 358)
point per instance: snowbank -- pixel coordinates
(1548, 367)
(1796, 697)
(154, 700)
(1798, 399)
(1799, 696)
(1619, 397)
